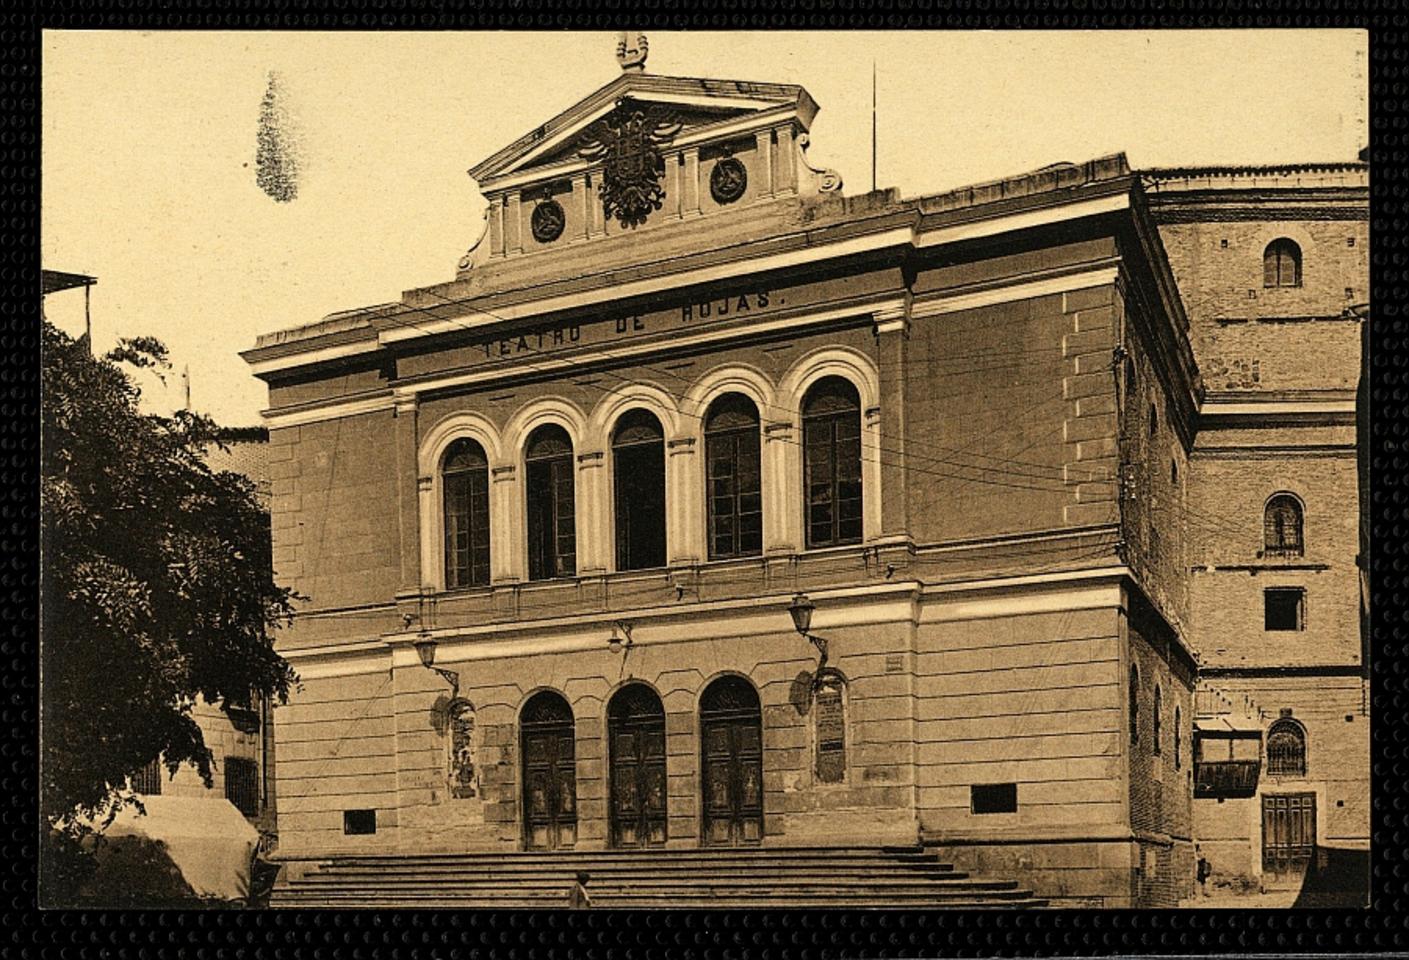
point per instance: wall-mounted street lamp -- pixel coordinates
(620, 629)
(801, 611)
(425, 649)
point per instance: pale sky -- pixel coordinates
(149, 147)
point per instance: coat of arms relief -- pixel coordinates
(629, 141)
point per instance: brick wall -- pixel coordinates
(334, 513)
(1238, 327)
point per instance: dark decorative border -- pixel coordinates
(601, 934)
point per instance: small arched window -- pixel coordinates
(1134, 704)
(638, 467)
(1154, 419)
(465, 481)
(735, 488)
(1286, 749)
(1282, 527)
(552, 518)
(1155, 718)
(831, 448)
(1281, 264)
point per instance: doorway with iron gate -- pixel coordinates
(731, 735)
(636, 738)
(1288, 837)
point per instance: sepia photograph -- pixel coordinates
(578, 470)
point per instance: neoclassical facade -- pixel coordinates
(709, 505)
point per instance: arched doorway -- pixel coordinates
(636, 734)
(549, 772)
(731, 734)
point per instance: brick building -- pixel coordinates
(1273, 268)
(683, 388)
(240, 737)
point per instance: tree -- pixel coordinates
(156, 581)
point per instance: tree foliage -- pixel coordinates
(156, 579)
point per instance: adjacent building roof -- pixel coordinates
(52, 281)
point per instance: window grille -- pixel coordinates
(1282, 527)
(147, 781)
(1286, 749)
(242, 784)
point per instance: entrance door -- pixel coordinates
(731, 730)
(1288, 836)
(636, 727)
(549, 772)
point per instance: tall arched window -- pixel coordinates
(1282, 527)
(1281, 264)
(831, 437)
(1155, 718)
(638, 465)
(552, 530)
(1286, 749)
(735, 488)
(1134, 704)
(465, 478)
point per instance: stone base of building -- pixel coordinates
(1083, 872)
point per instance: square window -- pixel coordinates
(1284, 609)
(994, 797)
(359, 822)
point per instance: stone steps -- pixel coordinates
(659, 878)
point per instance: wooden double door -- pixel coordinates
(636, 732)
(547, 746)
(731, 734)
(1288, 836)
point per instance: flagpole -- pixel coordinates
(873, 126)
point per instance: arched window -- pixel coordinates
(465, 478)
(638, 464)
(735, 488)
(1155, 718)
(1134, 704)
(1281, 264)
(831, 438)
(552, 531)
(829, 706)
(1178, 739)
(460, 723)
(731, 741)
(1286, 749)
(1282, 527)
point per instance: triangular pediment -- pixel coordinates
(700, 108)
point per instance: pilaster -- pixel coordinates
(690, 191)
(892, 339)
(508, 557)
(765, 162)
(782, 483)
(407, 498)
(785, 162)
(684, 503)
(513, 216)
(593, 510)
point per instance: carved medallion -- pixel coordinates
(728, 180)
(628, 141)
(547, 221)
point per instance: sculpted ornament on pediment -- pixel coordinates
(628, 142)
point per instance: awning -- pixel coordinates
(52, 281)
(1227, 726)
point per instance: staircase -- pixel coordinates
(906, 877)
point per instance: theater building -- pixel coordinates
(560, 520)
(1273, 267)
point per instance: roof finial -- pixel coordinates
(631, 51)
